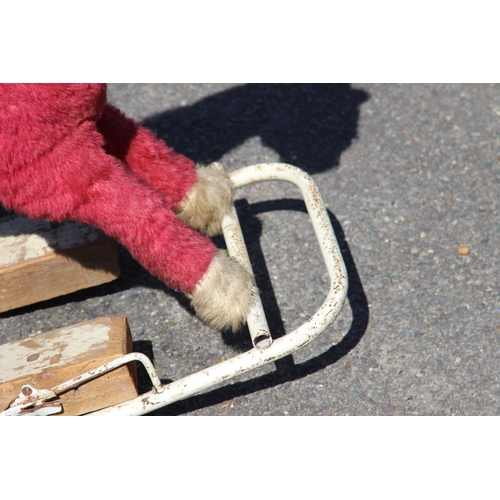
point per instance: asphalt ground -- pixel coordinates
(409, 174)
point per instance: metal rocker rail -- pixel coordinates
(265, 350)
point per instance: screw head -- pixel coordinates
(26, 390)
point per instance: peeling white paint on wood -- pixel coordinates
(52, 350)
(23, 239)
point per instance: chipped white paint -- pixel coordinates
(14, 249)
(23, 240)
(57, 349)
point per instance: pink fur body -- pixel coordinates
(67, 154)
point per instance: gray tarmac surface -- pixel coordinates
(409, 174)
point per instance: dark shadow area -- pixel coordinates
(4, 212)
(286, 369)
(308, 125)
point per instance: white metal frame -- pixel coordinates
(265, 349)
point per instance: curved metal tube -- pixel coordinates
(270, 350)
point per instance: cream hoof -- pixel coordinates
(207, 202)
(224, 296)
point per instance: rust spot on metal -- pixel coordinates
(146, 401)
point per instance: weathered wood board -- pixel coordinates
(48, 359)
(40, 260)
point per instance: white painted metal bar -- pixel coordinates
(112, 365)
(233, 236)
(256, 321)
(283, 346)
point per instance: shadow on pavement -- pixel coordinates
(308, 125)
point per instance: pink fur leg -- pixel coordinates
(77, 180)
(224, 297)
(201, 197)
(146, 155)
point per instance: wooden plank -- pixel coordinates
(48, 359)
(40, 260)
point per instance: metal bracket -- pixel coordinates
(32, 402)
(37, 402)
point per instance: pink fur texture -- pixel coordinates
(67, 154)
